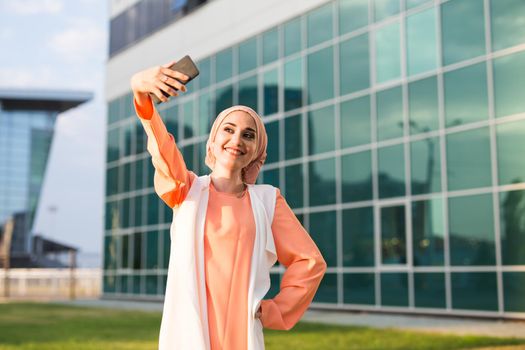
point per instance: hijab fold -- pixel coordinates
(251, 171)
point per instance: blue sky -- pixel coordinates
(59, 44)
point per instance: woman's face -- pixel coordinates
(235, 143)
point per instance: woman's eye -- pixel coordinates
(250, 136)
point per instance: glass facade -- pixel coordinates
(399, 145)
(25, 140)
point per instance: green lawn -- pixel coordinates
(50, 326)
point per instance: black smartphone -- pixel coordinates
(184, 65)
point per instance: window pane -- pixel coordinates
(463, 30)
(356, 171)
(359, 288)
(138, 211)
(322, 182)
(152, 244)
(355, 122)
(224, 65)
(481, 284)
(248, 55)
(514, 290)
(425, 166)
(127, 135)
(137, 284)
(271, 177)
(293, 131)
(293, 84)
(188, 153)
(125, 251)
(512, 217)
(320, 75)
(511, 143)
(188, 118)
(292, 36)
(428, 232)
(166, 245)
(323, 232)
(271, 92)
(125, 212)
(113, 145)
(507, 23)
(110, 252)
(248, 92)
(429, 290)
(206, 113)
(204, 73)
(112, 181)
(139, 173)
(327, 292)
(509, 75)
(129, 173)
(388, 53)
(270, 41)
(140, 138)
(471, 230)
(393, 235)
(151, 284)
(272, 150)
(137, 250)
(389, 113)
(466, 95)
(354, 63)
(172, 120)
(391, 171)
(394, 289)
(123, 284)
(358, 237)
(421, 42)
(110, 284)
(385, 8)
(423, 105)
(319, 23)
(275, 281)
(321, 129)
(153, 209)
(353, 14)
(294, 176)
(414, 3)
(468, 159)
(223, 98)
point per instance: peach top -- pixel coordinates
(229, 235)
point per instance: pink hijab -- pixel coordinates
(251, 171)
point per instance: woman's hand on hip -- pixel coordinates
(156, 79)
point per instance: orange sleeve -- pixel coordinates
(172, 180)
(305, 267)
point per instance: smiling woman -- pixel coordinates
(227, 232)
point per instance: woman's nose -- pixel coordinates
(236, 138)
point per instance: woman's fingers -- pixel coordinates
(167, 65)
(173, 82)
(169, 90)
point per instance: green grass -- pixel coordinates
(50, 326)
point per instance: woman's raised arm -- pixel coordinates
(172, 179)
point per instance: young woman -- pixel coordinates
(227, 232)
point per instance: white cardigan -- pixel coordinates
(184, 318)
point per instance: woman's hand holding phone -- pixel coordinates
(156, 80)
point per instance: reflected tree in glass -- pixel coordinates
(393, 235)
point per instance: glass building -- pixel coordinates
(27, 120)
(396, 134)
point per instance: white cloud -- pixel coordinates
(27, 77)
(80, 42)
(32, 7)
